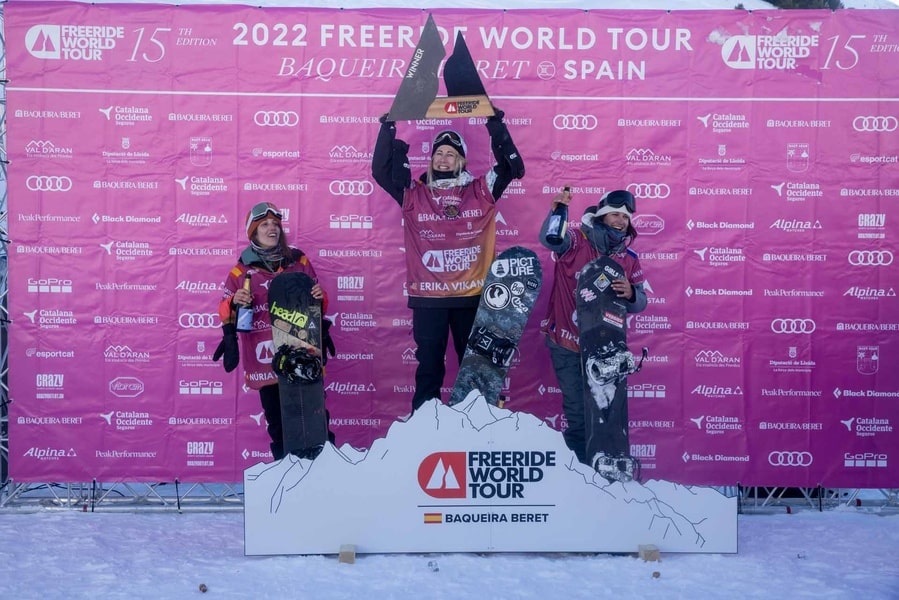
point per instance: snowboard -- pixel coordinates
(508, 297)
(605, 364)
(417, 96)
(296, 319)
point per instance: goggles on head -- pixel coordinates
(620, 198)
(452, 136)
(262, 210)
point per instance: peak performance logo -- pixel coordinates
(72, 42)
(479, 475)
(767, 52)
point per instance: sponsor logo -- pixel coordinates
(724, 122)
(118, 353)
(198, 320)
(72, 42)
(200, 448)
(50, 453)
(48, 183)
(872, 225)
(200, 151)
(576, 122)
(798, 157)
(646, 390)
(717, 424)
(351, 188)
(780, 52)
(648, 224)
(715, 358)
(127, 420)
(865, 459)
(126, 387)
(482, 475)
(647, 157)
(651, 191)
(870, 258)
(867, 359)
(127, 116)
(276, 118)
(351, 221)
(792, 364)
(878, 124)
(793, 326)
(47, 149)
(780, 458)
(720, 256)
(200, 387)
(49, 285)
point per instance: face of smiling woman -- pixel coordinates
(268, 233)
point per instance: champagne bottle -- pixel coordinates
(245, 311)
(558, 222)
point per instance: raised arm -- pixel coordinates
(509, 164)
(390, 163)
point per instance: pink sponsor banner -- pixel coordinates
(762, 148)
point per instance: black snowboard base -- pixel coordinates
(296, 333)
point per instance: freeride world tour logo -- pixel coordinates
(767, 52)
(501, 474)
(72, 42)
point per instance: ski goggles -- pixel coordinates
(262, 210)
(451, 136)
(620, 198)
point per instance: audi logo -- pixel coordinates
(48, 183)
(792, 326)
(790, 459)
(587, 122)
(870, 258)
(198, 320)
(276, 118)
(656, 191)
(875, 123)
(351, 188)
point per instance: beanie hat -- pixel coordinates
(449, 138)
(617, 201)
(258, 214)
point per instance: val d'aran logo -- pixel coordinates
(71, 42)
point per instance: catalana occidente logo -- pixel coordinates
(72, 42)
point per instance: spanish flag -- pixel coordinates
(433, 518)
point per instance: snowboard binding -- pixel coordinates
(613, 364)
(298, 365)
(499, 350)
(621, 468)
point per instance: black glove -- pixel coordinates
(495, 125)
(504, 150)
(400, 171)
(327, 342)
(385, 121)
(228, 348)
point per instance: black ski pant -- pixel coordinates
(431, 328)
(567, 365)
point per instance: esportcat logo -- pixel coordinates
(479, 475)
(72, 42)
